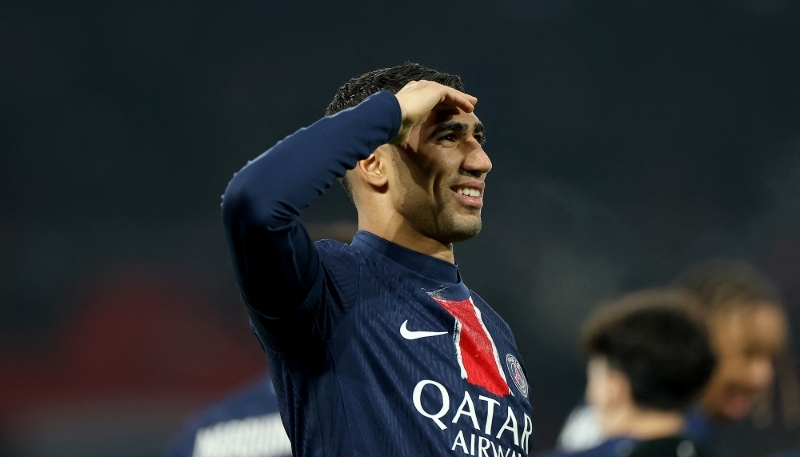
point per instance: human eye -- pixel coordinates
(480, 138)
(450, 136)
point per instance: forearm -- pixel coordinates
(274, 259)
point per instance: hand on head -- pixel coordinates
(418, 98)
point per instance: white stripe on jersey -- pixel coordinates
(457, 340)
(260, 436)
(494, 347)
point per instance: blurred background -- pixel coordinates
(629, 139)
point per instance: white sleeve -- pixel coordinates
(581, 430)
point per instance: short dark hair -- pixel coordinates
(655, 340)
(719, 285)
(392, 79)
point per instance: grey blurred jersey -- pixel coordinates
(581, 430)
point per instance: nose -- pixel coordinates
(760, 373)
(477, 162)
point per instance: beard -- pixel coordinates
(441, 222)
(459, 228)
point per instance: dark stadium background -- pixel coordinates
(629, 139)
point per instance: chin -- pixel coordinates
(731, 408)
(463, 233)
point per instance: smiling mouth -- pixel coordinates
(469, 192)
(469, 196)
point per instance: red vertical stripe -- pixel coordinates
(478, 356)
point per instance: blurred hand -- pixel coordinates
(418, 98)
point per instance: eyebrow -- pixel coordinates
(458, 127)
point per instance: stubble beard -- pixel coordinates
(450, 227)
(462, 230)
(439, 218)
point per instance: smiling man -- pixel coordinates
(378, 347)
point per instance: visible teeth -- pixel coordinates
(469, 192)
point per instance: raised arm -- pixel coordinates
(274, 259)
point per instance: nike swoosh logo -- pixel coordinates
(415, 335)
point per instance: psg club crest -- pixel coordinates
(515, 370)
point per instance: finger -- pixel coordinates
(470, 98)
(409, 86)
(456, 99)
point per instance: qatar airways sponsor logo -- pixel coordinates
(494, 430)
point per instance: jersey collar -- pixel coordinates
(422, 264)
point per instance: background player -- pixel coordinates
(648, 359)
(245, 423)
(749, 333)
(747, 325)
(378, 347)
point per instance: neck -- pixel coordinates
(409, 239)
(643, 424)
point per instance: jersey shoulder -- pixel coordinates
(342, 265)
(335, 254)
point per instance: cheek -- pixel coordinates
(429, 186)
(438, 167)
(595, 393)
(731, 372)
(731, 363)
(411, 188)
(768, 332)
(760, 373)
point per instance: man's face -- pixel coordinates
(607, 391)
(746, 341)
(440, 173)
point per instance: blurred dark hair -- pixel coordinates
(657, 342)
(392, 79)
(721, 285)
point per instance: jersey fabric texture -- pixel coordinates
(374, 349)
(246, 423)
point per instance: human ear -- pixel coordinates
(374, 169)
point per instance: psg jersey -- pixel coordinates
(374, 349)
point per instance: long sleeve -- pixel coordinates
(274, 259)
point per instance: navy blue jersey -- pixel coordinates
(672, 446)
(699, 426)
(246, 422)
(374, 349)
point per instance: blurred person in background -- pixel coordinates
(648, 359)
(749, 333)
(247, 422)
